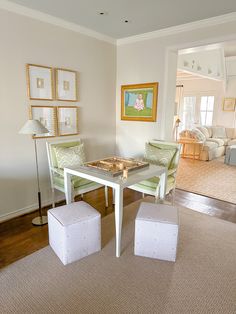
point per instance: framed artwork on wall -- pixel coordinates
(229, 104)
(139, 102)
(39, 82)
(66, 85)
(67, 120)
(47, 116)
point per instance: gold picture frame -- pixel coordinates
(139, 102)
(39, 82)
(67, 120)
(47, 116)
(66, 85)
(229, 104)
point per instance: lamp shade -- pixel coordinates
(33, 127)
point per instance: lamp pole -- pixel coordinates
(40, 220)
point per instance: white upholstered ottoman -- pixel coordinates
(74, 231)
(230, 155)
(156, 231)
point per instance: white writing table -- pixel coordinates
(118, 185)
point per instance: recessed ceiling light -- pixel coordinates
(102, 13)
(127, 21)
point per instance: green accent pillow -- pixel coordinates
(158, 156)
(70, 156)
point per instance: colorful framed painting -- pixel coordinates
(39, 82)
(139, 102)
(67, 120)
(66, 85)
(47, 116)
(229, 104)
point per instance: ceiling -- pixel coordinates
(142, 16)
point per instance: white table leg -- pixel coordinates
(163, 179)
(67, 187)
(118, 217)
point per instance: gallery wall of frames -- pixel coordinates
(53, 84)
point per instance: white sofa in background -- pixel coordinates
(215, 140)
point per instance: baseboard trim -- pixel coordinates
(28, 209)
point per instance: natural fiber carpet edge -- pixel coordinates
(202, 280)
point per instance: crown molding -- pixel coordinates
(213, 21)
(43, 17)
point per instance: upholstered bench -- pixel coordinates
(156, 231)
(74, 231)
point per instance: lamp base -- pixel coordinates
(40, 221)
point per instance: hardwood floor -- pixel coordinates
(20, 238)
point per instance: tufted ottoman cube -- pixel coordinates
(74, 231)
(156, 231)
(230, 155)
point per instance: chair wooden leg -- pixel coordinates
(143, 195)
(113, 196)
(106, 196)
(82, 196)
(53, 197)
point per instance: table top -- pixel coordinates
(133, 177)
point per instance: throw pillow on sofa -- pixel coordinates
(218, 132)
(209, 129)
(198, 135)
(204, 131)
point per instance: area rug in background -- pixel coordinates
(202, 280)
(211, 178)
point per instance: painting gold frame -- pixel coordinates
(139, 102)
(229, 104)
(39, 82)
(65, 125)
(50, 122)
(66, 86)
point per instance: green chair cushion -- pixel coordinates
(152, 183)
(76, 181)
(159, 155)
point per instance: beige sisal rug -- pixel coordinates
(203, 279)
(211, 178)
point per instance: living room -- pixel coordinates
(107, 53)
(205, 105)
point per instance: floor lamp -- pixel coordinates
(33, 127)
(177, 122)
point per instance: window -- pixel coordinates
(206, 109)
(188, 113)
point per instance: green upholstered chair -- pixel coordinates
(165, 154)
(79, 185)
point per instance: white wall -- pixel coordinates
(208, 87)
(24, 40)
(148, 61)
(216, 88)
